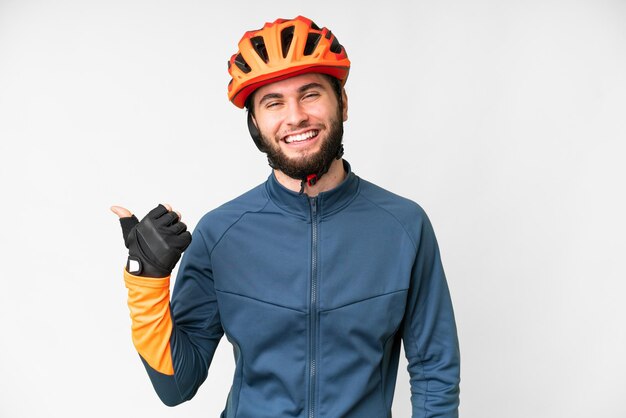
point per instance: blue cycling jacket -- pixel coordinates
(316, 296)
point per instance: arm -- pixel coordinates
(429, 334)
(176, 345)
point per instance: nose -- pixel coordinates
(296, 114)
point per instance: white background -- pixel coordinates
(503, 119)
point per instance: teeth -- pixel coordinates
(301, 137)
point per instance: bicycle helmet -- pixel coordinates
(282, 49)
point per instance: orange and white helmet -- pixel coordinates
(282, 49)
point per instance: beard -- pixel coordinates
(317, 163)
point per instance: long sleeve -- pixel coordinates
(429, 334)
(176, 343)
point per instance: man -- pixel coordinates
(315, 276)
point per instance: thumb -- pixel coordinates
(127, 220)
(121, 212)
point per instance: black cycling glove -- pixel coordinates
(156, 243)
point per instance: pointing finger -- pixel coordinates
(120, 211)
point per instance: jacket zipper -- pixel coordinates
(313, 308)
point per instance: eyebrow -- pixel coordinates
(301, 90)
(310, 86)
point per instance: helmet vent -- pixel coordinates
(242, 64)
(311, 43)
(286, 36)
(314, 26)
(258, 43)
(335, 46)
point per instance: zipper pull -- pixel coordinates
(314, 205)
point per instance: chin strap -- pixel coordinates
(312, 179)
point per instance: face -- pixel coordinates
(300, 123)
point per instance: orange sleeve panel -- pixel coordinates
(149, 304)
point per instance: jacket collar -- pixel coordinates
(328, 202)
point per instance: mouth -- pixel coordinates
(301, 137)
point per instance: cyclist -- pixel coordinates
(316, 276)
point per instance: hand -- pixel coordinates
(156, 243)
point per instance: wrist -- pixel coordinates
(139, 267)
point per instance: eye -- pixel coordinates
(311, 95)
(270, 105)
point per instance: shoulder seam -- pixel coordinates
(394, 217)
(234, 223)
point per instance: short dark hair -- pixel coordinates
(335, 83)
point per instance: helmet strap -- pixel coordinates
(312, 179)
(255, 134)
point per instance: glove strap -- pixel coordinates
(134, 265)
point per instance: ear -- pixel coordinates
(344, 99)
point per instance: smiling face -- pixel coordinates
(300, 122)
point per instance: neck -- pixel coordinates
(333, 177)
